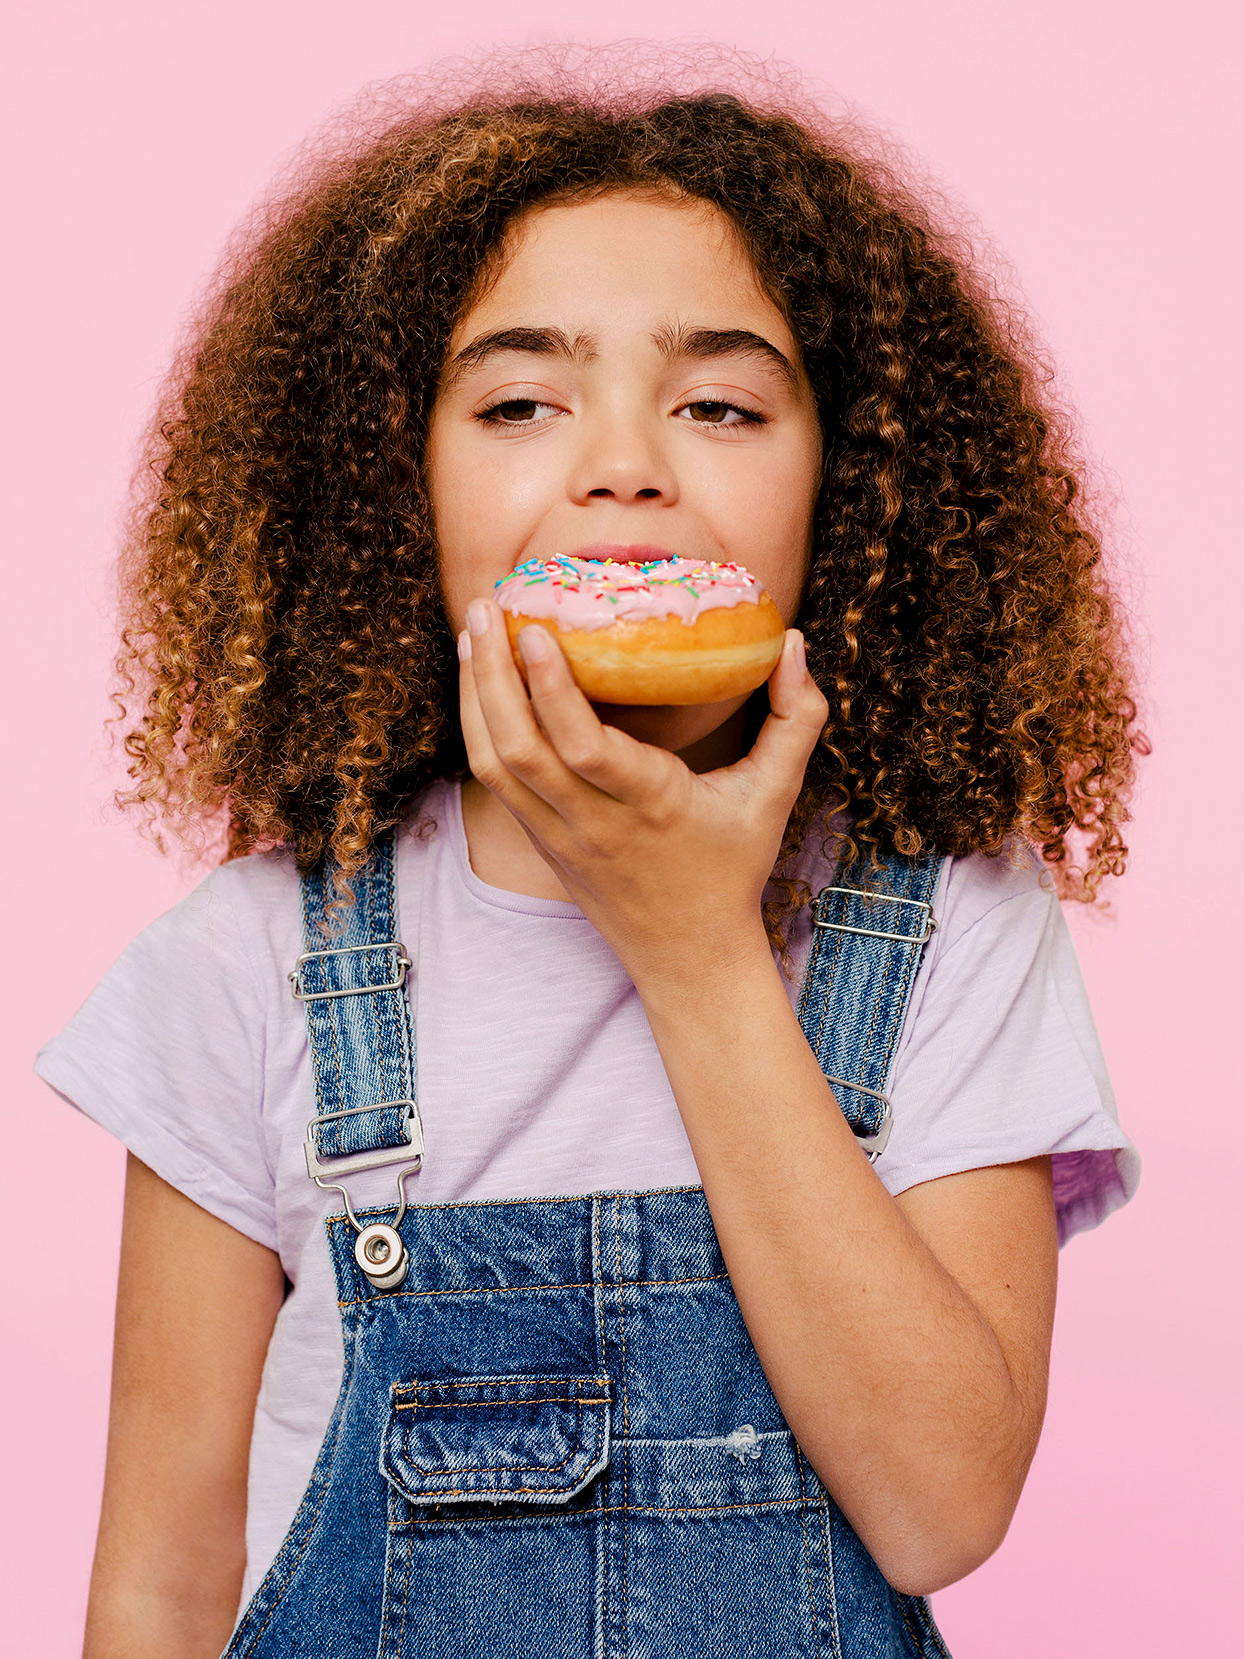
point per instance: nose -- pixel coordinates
(622, 458)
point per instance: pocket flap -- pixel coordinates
(526, 1439)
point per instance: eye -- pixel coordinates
(515, 411)
(717, 412)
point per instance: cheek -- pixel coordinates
(489, 499)
(763, 516)
(451, 522)
(483, 493)
(470, 522)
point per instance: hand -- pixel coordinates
(668, 864)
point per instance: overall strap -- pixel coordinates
(869, 930)
(351, 981)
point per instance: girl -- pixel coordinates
(700, 1093)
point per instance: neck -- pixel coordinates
(500, 851)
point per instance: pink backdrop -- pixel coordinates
(1092, 140)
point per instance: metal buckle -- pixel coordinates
(410, 1154)
(928, 923)
(874, 1144)
(302, 995)
(350, 1163)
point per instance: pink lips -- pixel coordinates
(630, 553)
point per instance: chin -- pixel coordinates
(667, 725)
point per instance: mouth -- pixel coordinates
(625, 553)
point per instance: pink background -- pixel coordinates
(1093, 143)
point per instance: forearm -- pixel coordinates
(171, 1551)
(908, 1358)
(177, 1615)
(893, 1381)
(196, 1304)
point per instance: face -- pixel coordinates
(625, 385)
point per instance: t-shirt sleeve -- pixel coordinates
(1001, 1060)
(167, 1055)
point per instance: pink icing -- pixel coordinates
(592, 593)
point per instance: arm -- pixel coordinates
(906, 1340)
(909, 1346)
(196, 1303)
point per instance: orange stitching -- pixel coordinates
(911, 970)
(496, 1290)
(598, 1296)
(487, 1382)
(829, 982)
(545, 1198)
(626, 1455)
(831, 1591)
(384, 1622)
(381, 1045)
(390, 1550)
(440, 1497)
(885, 979)
(410, 1573)
(693, 1279)
(906, 1605)
(807, 1553)
(390, 1596)
(911, 1629)
(604, 1509)
(284, 1584)
(503, 1400)
(597, 1285)
(908, 968)
(504, 1468)
(509, 1290)
(332, 1026)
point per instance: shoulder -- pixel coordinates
(253, 905)
(244, 914)
(986, 892)
(972, 889)
(227, 944)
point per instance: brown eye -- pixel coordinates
(516, 410)
(711, 413)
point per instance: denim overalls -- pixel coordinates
(554, 1439)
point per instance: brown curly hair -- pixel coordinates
(286, 637)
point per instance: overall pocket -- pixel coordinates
(487, 1553)
(496, 1439)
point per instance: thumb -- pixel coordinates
(797, 715)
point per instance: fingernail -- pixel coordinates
(534, 644)
(464, 646)
(477, 616)
(800, 651)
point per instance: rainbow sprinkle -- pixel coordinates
(606, 578)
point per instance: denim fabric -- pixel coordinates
(856, 985)
(555, 1441)
(361, 1039)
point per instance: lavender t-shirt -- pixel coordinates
(537, 1074)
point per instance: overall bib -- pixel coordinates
(554, 1439)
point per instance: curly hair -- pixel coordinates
(286, 640)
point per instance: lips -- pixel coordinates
(630, 553)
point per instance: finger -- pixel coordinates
(521, 747)
(605, 758)
(797, 715)
(533, 813)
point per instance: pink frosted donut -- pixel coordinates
(666, 631)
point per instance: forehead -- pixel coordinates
(625, 262)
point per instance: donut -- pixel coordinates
(665, 631)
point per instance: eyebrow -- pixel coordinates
(539, 342)
(699, 343)
(724, 342)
